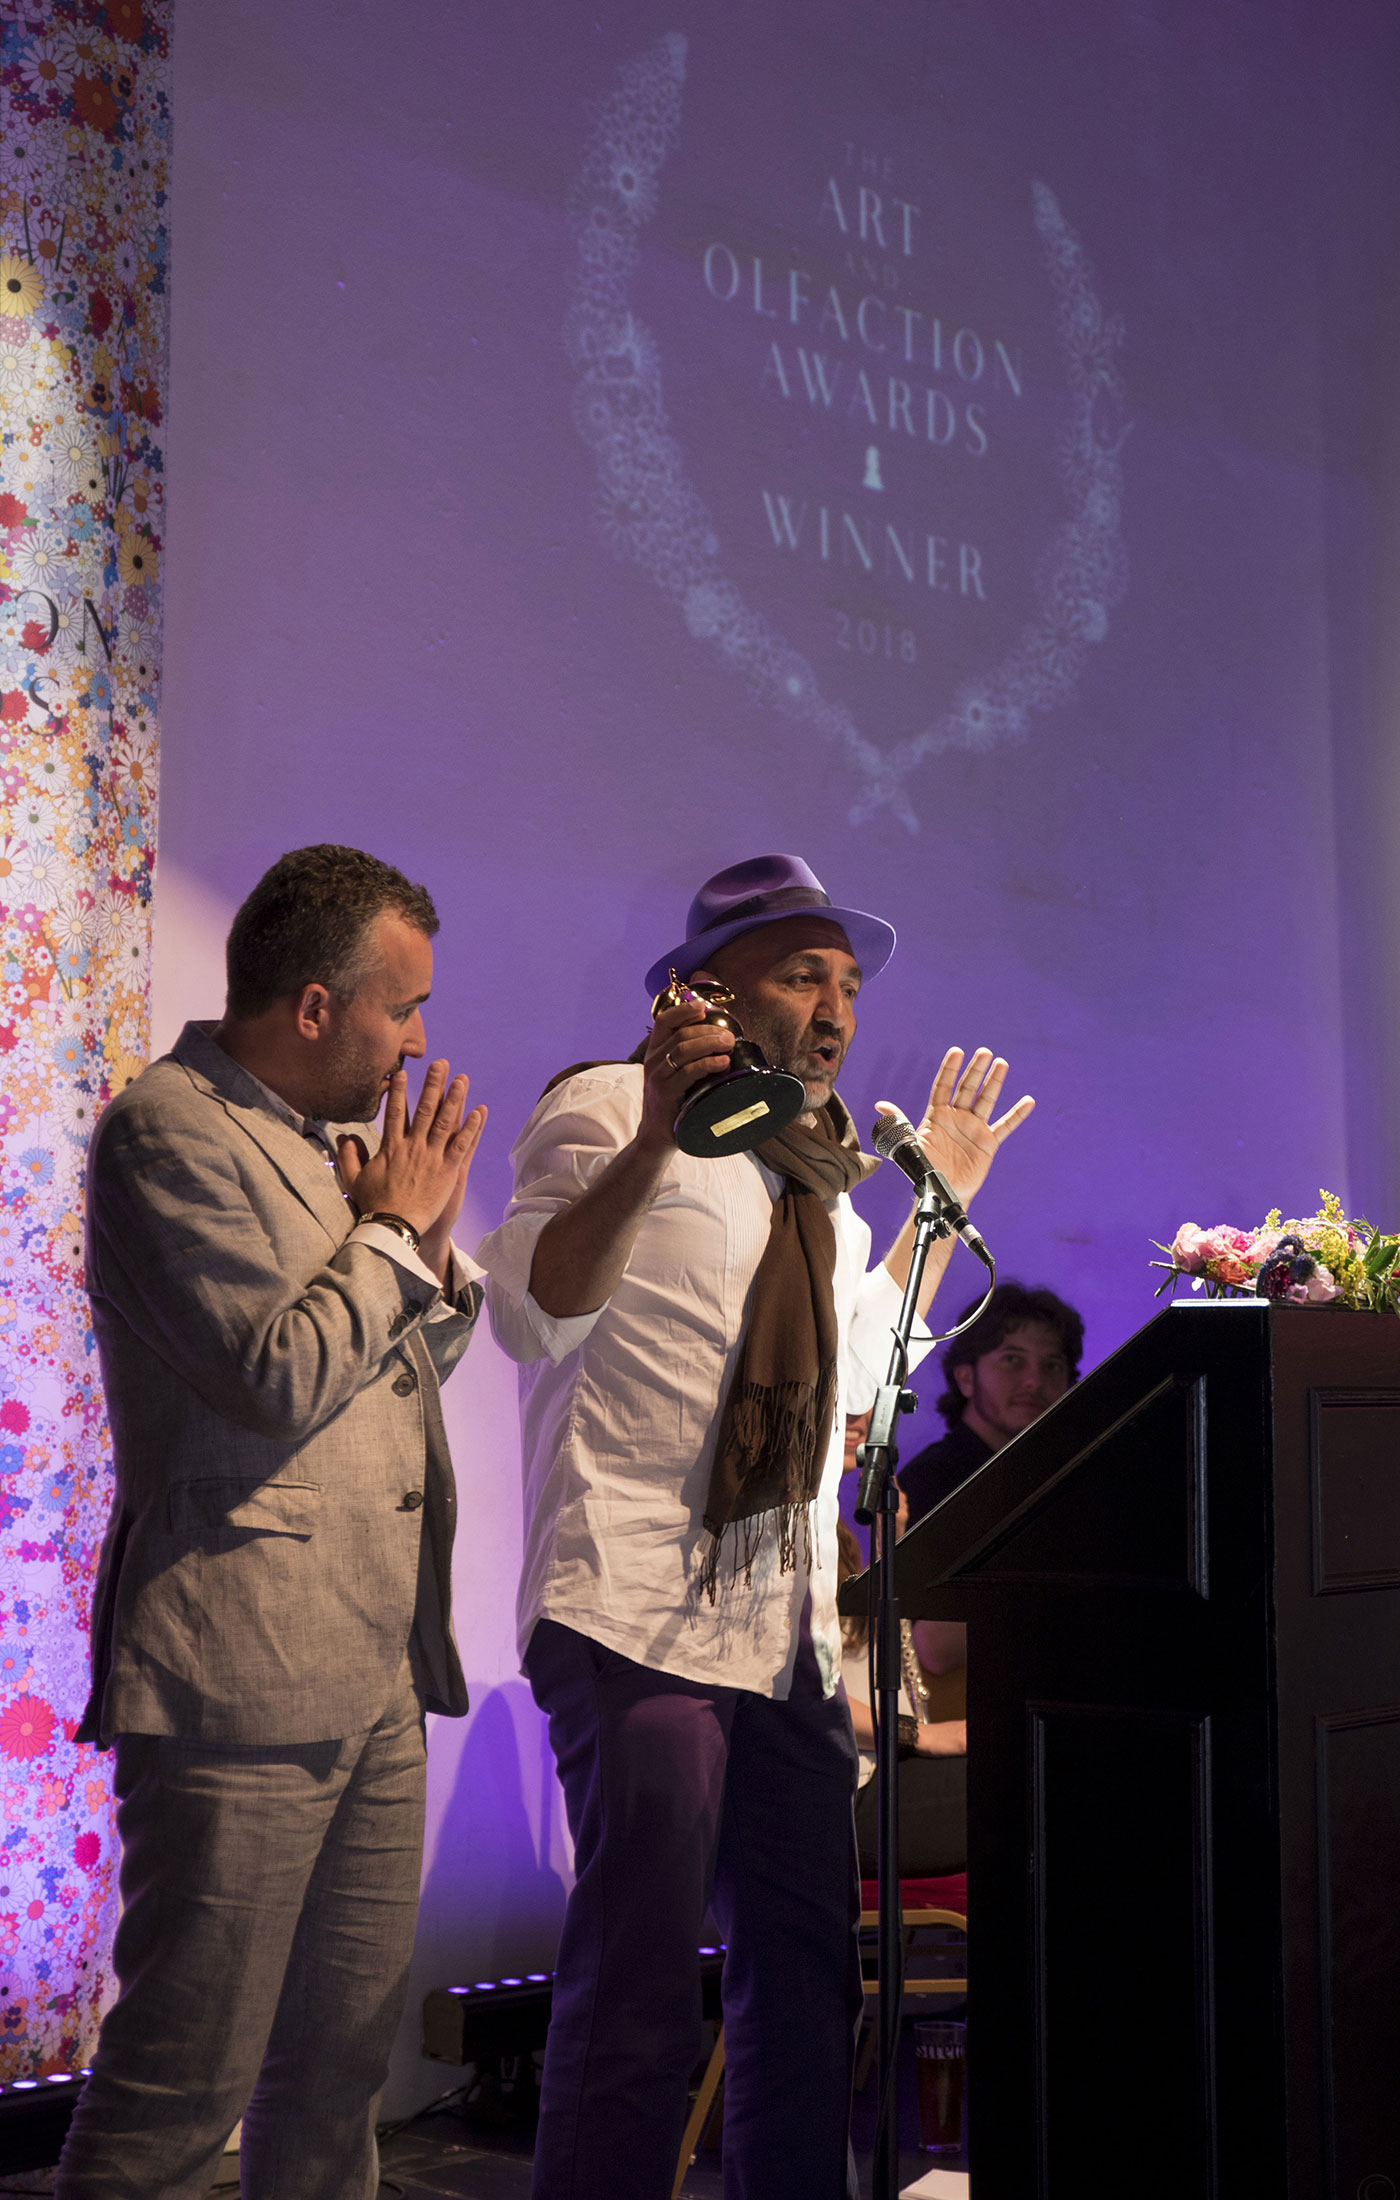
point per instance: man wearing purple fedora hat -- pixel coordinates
(692, 1333)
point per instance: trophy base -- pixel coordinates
(724, 1115)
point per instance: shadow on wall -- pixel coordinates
(497, 1872)
(491, 1838)
(190, 923)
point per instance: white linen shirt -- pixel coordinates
(620, 1407)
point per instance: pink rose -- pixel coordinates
(1185, 1250)
(1223, 1254)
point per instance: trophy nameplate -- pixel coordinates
(741, 1106)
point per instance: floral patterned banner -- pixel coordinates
(84, 118)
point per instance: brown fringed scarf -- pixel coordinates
(775, 1424)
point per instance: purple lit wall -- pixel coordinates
(954, 443)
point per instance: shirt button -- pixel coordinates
(412, 1499)
(404, 1385)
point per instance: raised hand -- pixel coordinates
(420, 1170)
(957, 1132)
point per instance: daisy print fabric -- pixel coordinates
(84, 119)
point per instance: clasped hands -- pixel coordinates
(420, 1169)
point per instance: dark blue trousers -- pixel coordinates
(681, 1796)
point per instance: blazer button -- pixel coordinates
(412, 1499)
(404, 1385)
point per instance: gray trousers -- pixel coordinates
(270, 1893)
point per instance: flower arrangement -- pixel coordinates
(1328, 1259)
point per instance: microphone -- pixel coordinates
(894, 1140)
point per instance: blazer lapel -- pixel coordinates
(296, 1159)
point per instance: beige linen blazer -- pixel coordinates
(284, 1502)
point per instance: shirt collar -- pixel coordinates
(305, 1126)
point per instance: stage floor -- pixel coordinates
(456, 2159)
(448, 2160)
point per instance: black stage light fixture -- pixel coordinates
(497, 2017)
(34, 2117)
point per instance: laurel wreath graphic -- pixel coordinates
(650, 513)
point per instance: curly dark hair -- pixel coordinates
(1010, 1304)
(306, 923)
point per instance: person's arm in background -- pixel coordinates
(940, 1644)
(945, 1738)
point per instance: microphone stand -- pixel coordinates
(877, 1507)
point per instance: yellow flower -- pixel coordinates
(21, 286)
(136, 559)
(123, 1070)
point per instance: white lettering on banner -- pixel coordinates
(774, 370)
(816, 378)
(781, 521)
(1012, 374)
(908, 398)
(920, 339)
(870, 210)
(831, 311)
(831, 204)
(865, 336)
(968, 355)
(938, 421)
(864, 398)
(769, 313)
(862, 541)
(714, 261)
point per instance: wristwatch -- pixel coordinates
(907, 1730)
(399, 1226)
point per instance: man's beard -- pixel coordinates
(785, 1049)
(350, 1088)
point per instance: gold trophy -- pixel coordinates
(740, 1106)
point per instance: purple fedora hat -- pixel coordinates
(760, 892)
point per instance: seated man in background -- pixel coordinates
(1002, 1374)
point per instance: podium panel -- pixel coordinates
(1098, 2098)
(1359, 1810)
(1182, 1593)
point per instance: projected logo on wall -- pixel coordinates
(871, 360)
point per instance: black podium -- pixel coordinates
(1182, 1591)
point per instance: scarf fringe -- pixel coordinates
(747, 1538)
(773, 1431)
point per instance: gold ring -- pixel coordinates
(670, 1059)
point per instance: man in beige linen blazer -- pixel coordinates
(273, 1605)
